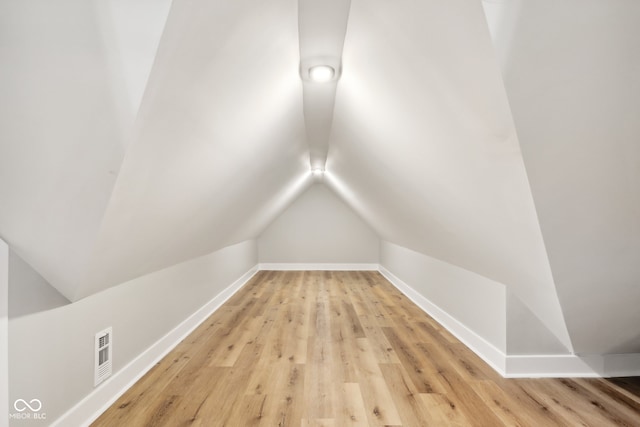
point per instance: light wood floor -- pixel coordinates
(348, 349)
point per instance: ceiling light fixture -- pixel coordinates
(321, 73)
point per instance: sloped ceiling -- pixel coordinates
(132, 144)
(62, 133)
(219, 133)
(424, 139)
(572, 75)
(322, 26)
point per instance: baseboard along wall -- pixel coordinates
(318, 267)
(93, 405)
(523, 366)
(514, 366)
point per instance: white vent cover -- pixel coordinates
(103, 356)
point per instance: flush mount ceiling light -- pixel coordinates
(323, 69)
(321, 73)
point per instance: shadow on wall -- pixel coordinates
(629, 346)
(29, 292)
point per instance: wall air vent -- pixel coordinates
(103, 347)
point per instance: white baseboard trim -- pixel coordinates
(571, 365)
(484, 349)
(516, 366)
(523, 366)
(318, 266)
(548, 366)
(93, 405)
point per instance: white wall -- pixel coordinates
(60, 134)
(213, 145)
(318, 228)
(4, 339)
(473, 300)
(72, 75)
(425, 149)
(570, 70)
(526, 334)
(51, 352)
(28, 291)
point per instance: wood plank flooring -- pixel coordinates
(348, 349)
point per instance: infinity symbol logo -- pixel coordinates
(21, 405)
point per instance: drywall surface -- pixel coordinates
(526, 334)
(72, 76)
(318, 228)
(131, 33)
(424, 147)
(51, 352)
(473, 300)
(60, 134)
(213, 146)
(4, 330)
(571, 71)
(28, 291)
